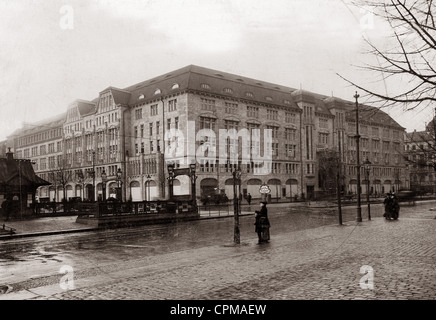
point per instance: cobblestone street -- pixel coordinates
(318, 263)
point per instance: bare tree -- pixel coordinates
(61, 175)
(328, 169)
(409, 57)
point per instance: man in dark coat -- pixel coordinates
(262, 223)
(395, 207)
(392, 207)
(249, 198)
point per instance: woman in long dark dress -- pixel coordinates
(262, 223)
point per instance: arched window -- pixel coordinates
(141, 97)
(157, 91)
(175, 86)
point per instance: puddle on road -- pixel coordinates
(10, 258)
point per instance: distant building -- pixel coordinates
(420, 152)
(127, 133)
(3, 148)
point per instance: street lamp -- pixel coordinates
(21, 202)
(367, 165)
(170, 179)
(148, 187)
(103, 184)
(119, 176)
(93, 176)
(237, 235)
(80, 179)
(359, 209)
(193, 177)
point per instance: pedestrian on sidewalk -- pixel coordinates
(395, 206)
(54, 205)
(262, 223)
(392, 207)
(249, 198)
(387, 202)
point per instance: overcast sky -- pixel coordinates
(53, 52)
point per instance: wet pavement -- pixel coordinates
(309, 257)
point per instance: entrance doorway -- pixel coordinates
(310, 191)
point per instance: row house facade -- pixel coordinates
(420, 152)
(219, 121)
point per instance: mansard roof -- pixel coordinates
(120, 96)
(39, 126)
(85, 107)
(238, 87)
(372, 116)
(212, 82)
(419, 136)
(230, 86)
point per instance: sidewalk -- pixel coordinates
(67, 224)
(41, 226)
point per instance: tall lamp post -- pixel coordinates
(80, 179)
(240, 193)
(170, 180)
(93, 176)
(237, 235)
(367, 165)
(21, 195)
(193, 177)
(148, 187)
(119, 176)
(103, 184)
(359, 209)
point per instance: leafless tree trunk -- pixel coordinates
(61, 175)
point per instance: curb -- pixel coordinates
(46, 233)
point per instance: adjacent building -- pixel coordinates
(420, 154)
(125, 138)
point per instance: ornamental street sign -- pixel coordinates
(264, 189)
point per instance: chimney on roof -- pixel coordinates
(9, 154)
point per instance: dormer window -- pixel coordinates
(228, 90)
(205, 86)
(286, 101)
(157, 91)
(175, 86)
(268, 98)
(249, 94)
(141, 97)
